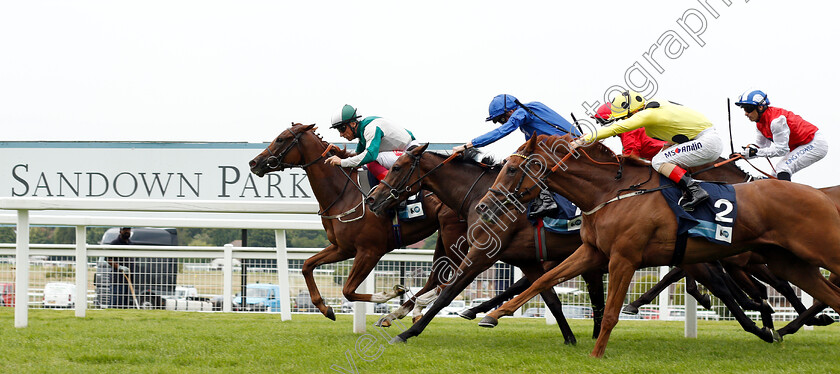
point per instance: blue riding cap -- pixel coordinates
(500, 105)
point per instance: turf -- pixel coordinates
(184, 342)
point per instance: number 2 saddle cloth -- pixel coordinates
(712, 219)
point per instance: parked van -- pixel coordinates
(59, 295)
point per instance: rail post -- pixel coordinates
(22, 269)
(283, 275)
(227, 274)
(81, 271)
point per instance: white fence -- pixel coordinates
(398, 266)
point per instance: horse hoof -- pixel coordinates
(416, 318)
(768, 335)
(706, 302)
(383, 322)
(776, 336)
(397, 339)
(630, 309)
(330, 314)
(467, 314)
(820, 320)
(571, 341)
(488, 321)
(400, 289)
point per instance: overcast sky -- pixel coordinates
(242, 71)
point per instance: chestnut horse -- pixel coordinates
(353, 231)
(462, 182)
(795, 227)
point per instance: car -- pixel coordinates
(649, 313)
(303, 303)
(7, 294)
(378, 308)
(476, 302)
(450, 310)
(534, 312)
(577, 311)
(218, 264)
(259, 297)
(678, 314)
(59, 295)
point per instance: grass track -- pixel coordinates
(176, 342)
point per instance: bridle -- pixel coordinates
(275, 160)
(516, 195)
(403, 185)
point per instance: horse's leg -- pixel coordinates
(585, 258)
(621, 273)
(595, 285)
(807, 277)
(431, 282)
(479, 261)
(363, 264)
(713, 277)
(535, 271)
(673, 276)
(691, 289)
(755, 298)
(521, 285)
(810, 313)
(328, 255)
(764, 274)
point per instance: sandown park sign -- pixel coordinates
(145, 170)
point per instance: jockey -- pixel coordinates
(781, 133)
(380, 141)
(633, 143)
(528, 118)
(691, 139)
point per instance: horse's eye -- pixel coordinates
(395, 168)
(512, 170)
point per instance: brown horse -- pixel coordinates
(462, 182)
(795, 227)
(353, 231)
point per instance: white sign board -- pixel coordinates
(183, 171)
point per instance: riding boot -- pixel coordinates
(693, 194)
(783, 176)
(544, 205)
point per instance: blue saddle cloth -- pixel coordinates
(712, 219)
(566, 221)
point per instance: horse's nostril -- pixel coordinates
(252, 163)
(370, 200)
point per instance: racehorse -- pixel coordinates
(353, 231)
(634, 230)
(450, 182)
(460, 184)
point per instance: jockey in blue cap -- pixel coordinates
(528, 118)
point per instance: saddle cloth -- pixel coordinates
(566, 221)
(712, 219)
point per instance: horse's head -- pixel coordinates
(524, 174)
(401, 182)
(284, 152)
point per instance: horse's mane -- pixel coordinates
(474, 157)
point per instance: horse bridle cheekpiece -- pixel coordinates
(276, 159)
(402, 185)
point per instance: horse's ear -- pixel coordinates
(420, 149)
(309, 127)
(531, 144)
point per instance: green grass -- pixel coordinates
(176, 342)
